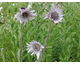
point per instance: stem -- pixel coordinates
(45, 43)
(2, 49)
(20, 40)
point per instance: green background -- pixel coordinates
(64, 41)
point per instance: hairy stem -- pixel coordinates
(20, 40)
(45, 43)
(2, 49)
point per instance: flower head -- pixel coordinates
(35, 47)
(55, 14)
(2, 49)
(25, 14)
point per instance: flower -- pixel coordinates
(55, 14)
(39, 3)
(44, 4)
(2, 49)
(35, 47)
(25, 14)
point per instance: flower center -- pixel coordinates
(22, 7)
(25, 14)
(54, 15)
(36, 47)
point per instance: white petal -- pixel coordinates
(27, 44)
(35, 41)
(32, 53)
(32, 11)
(24, 20)
(40, 49)
(27, 9)
(38, 54)
(17, 20)
(30, 18)
(31, 14)
(29, 50)
(52, 8)
(21, 22)
(31, 42)
(21, 10)
(17, 15)
(46, 17)
(42, 46)
(29, 6)
(56, 21)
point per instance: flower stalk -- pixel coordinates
(45, 43)
(2, 49)
(20, 42)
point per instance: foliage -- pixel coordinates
(63, 44)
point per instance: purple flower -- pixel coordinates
(25, 14)
(35, 47)
(55, 14)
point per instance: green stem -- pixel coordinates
(45, 43)
(20, 40)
